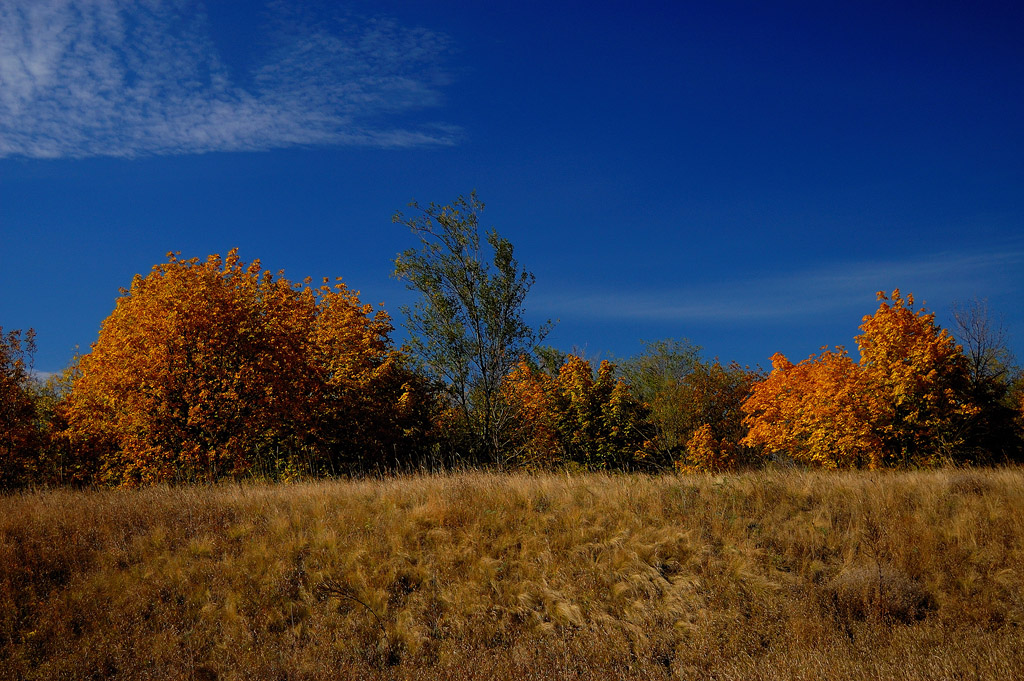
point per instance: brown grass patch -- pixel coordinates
(769, 575)
(879, 592)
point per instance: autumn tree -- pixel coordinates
(695, 415)
(209, 368)
(820, 411)
(711, 398)
(58, 461)
(576, 416)
(373, 409)
(534, 437)
(656, 376)
(921, 376)
(468, 328)
(904, 403)
(20, 437)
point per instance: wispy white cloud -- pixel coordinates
(134, 77)
(937, 279)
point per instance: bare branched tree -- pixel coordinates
(995, 382)
(985, 341)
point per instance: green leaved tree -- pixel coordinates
(468, 327)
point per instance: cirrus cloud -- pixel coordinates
(123, 78)
(943, 276)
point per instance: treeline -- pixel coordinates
(217, 368)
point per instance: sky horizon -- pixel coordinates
(744, 177)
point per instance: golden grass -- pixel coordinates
(768, 575)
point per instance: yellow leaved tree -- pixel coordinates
(576, 416)
(904, 403)
(819, 411)
(209, 368)
(922, 377)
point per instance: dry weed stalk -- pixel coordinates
(329, 588)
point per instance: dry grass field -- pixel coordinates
(765, 575)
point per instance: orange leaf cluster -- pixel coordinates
(705, 452)
(575, 416)
(207, 368)
(923, 377)
(903, 403)
(818, 411)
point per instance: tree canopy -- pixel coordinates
(906, 402)
(468, 327)
(213, 368)
(207, 368)
(19, 435)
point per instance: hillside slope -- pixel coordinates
(769, 575)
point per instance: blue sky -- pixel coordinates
(745, 175)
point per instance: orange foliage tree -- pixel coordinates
(695, 419)
(208, 368)
(923, 377)
(710, 398)
(904, 403)
(575, 416)
(819, 411)
(372, 406)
